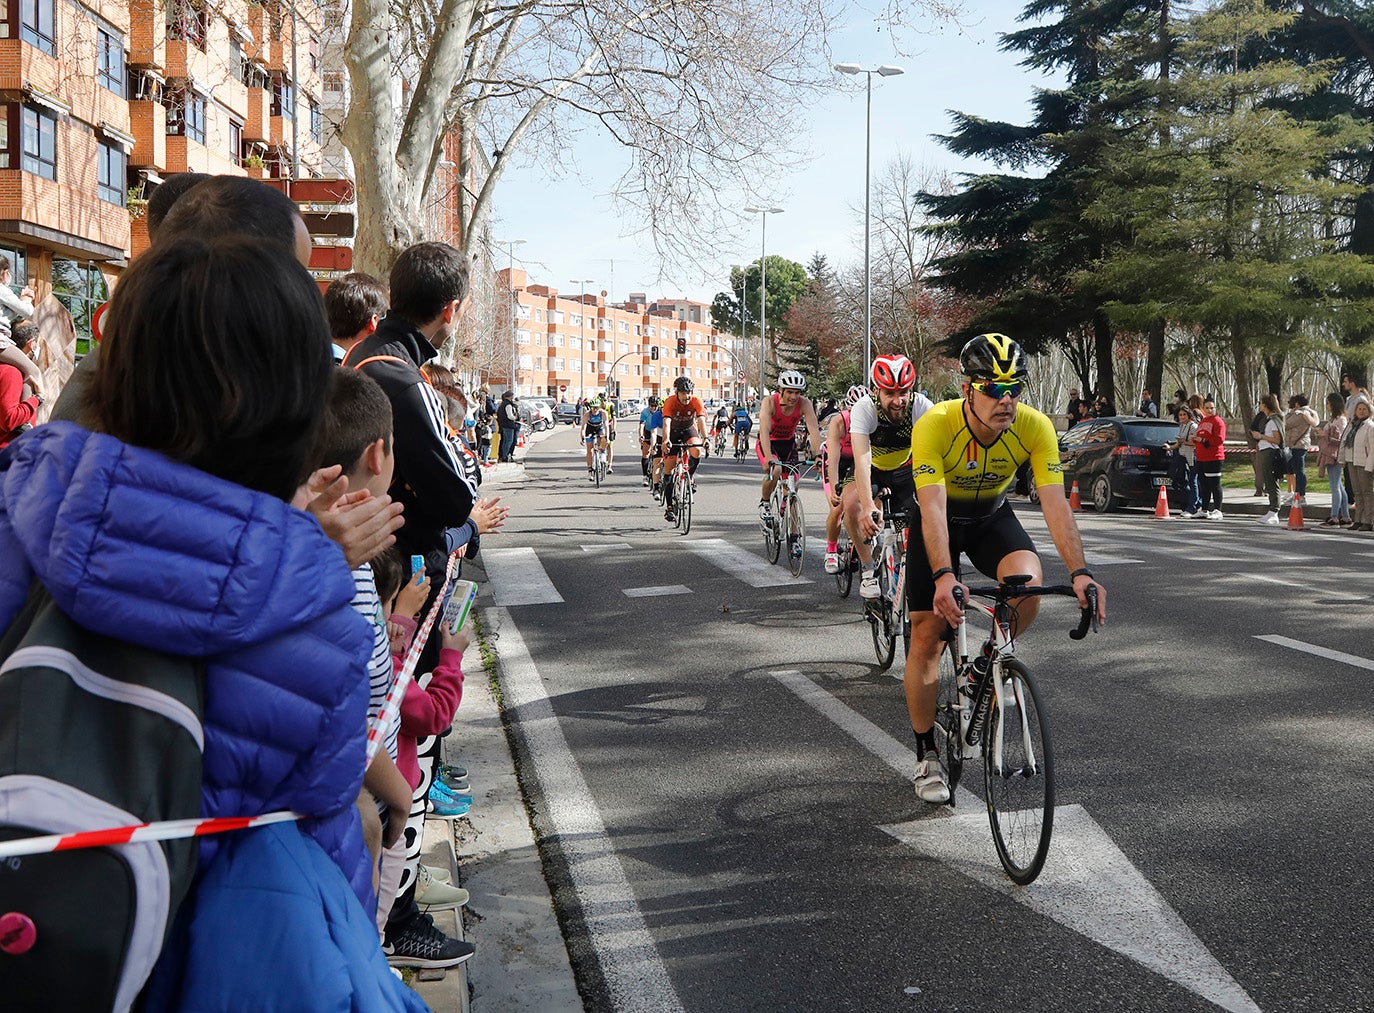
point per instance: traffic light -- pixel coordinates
(653, 353)
(681, 346)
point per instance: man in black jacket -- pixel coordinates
(508, 419)
(429, 295)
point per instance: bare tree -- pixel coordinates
(706, 96)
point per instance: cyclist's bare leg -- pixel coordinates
(1022, 561)
(609, 447)
(849, 505)
(589, 443)
(921, 676)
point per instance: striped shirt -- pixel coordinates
(380, 671)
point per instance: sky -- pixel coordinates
(574, 234)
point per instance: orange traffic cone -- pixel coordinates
(1075, 501)
(1162, 505)
(1295, 516)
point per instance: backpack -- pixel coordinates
(95, 733)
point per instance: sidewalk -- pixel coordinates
(521, 963)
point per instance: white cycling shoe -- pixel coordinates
(868, 586)
(832, 562)
(931, 784)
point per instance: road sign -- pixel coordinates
(562, 386)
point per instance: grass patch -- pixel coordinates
(484, 645)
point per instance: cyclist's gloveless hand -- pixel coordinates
(1080, 587)
(870, 522)
(945, 605)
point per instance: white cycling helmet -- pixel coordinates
(790, 379)
(854, 395)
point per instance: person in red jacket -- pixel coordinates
(1209, 446)
(19, 403)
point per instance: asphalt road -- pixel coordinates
(720, 774)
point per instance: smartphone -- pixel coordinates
(461, 596)
(417, 565)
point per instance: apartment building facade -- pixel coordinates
(575, 345)
(101, 99)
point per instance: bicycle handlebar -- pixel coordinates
(1001, 593)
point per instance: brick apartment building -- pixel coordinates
(566, 345)
(100, 99)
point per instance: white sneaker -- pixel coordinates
(832, 562)
(1287, 499)
(1214, 515)
(868, 586)
(930, 781)
(1191, 515)
(1271, 519)
(645, 483)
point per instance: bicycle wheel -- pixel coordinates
(880, 616)
(684, 508)
(772, 541)
(947, 708)
(796, 535)
(598, 467)
(844, 576)
(1018, 773)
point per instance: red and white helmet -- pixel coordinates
(854, 396)
(893, 372)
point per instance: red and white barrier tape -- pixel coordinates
(167, 830)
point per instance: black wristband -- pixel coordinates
(942, 571)
(1083, 572)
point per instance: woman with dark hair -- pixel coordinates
(172, 527)
(1299, 426)
(1329, 461)
(1209, 448)
(1268, 434)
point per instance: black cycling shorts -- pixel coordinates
(901, 483)
(986, 541)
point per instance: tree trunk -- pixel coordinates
(1273, 374)
(1245, 393)
(1106, 361)
(1154, 362)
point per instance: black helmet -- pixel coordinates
(993, 357)
(683, 385)
(654, 402)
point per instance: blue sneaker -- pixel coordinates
(449, 807)
(440, 792)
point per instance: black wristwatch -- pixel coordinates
(1082, 572)
(942, 571)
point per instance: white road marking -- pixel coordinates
(523, 580)
(1088, 884)
(655, 592)
(1102, 560)
(741, 564)
(634, 971)
(606, 547)
(1321, 652)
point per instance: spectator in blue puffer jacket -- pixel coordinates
(172, 528)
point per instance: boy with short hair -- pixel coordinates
(353, 304)
(357, 436)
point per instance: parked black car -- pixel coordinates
(566, 412)
(1118, 461)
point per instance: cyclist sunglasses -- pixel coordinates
(996, 390)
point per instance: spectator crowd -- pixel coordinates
(271, 488)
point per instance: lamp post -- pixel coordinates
(883, 71)
(510, 245)
(582, 328)
(763, 286)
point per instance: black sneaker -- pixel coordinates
(423, 945)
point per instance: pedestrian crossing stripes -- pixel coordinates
(741, 564)
(520, 578)
(656, 592)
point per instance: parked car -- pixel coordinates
(1118, 461)
(566, 411)
(536, 414)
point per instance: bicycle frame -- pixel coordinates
(1003, 650)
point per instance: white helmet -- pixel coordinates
(854, 395)
(790, 379)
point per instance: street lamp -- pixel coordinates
(883, 71)
(510, 245)
(763, 287)
(582, 328)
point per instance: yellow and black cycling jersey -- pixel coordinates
(976, 478)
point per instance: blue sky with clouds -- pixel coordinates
(572, 233)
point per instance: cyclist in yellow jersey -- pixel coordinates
(964, 456)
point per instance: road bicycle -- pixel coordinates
(786, 521)
(720, 442)
(599, 464)
(992, 709)
(678, 489)
(887, 614)
(741, 446)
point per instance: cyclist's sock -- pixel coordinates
(644, 466)
(832, 546)
(925, 742)
(692, 464)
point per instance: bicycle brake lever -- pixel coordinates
(1088, 616)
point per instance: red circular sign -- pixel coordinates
(562, 386)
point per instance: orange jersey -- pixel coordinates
(681, 414)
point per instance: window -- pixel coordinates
(539, 314)
(186, 116)
(574, 341)
(40, 143)
(575, 319)
(624, 348)
(522, 311)
(112, 173)
(81, 288)
(235, 57)
(19, 262)
(624, 327)
(334, 16)
(109, 61)
(188, 21)
(334, 82)
(538, 338)
(555, 316)
(314, 50)
(283, 95)
(236, 142)
(37, 20)
(316, 123)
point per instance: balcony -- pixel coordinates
(147, 34)
(257, 124)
